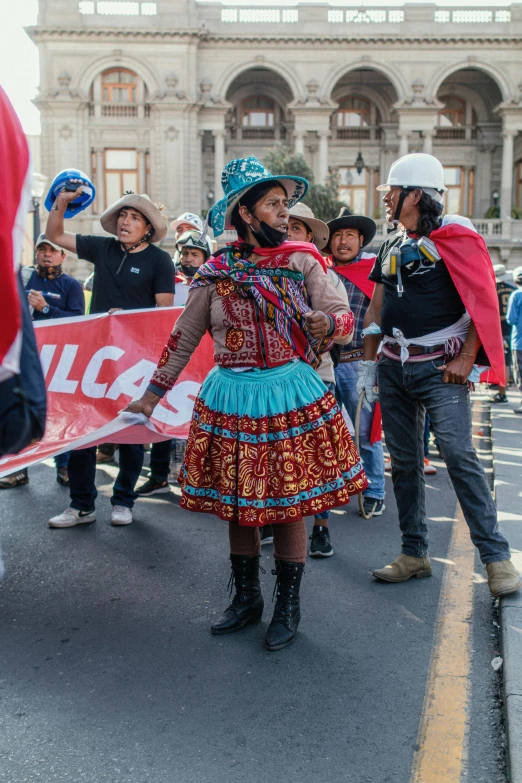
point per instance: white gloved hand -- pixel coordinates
(366, 382)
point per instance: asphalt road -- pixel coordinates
(109, 671)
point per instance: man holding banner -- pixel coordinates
(130, 273)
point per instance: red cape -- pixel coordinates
(467, 258)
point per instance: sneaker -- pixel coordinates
(387, 464)
(518, 410)
(429, 469)
(15, 479)
(121, 515)
(71, 517)
(266, 535)
(373, 505)
(62, 477)
(321, 545)
(498, 397)
(153, 487)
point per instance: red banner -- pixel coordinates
(94, 366)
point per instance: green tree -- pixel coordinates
(322, 199)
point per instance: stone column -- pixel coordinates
(371, 191)
(298, 143)
(506, 186)
(219, 159)
(466, 207)
(142, 171)
(427, 145)
(97, 95)
(403, 143)
(323, 157)
(100, 181)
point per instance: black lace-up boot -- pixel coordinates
(287, 614)
(247, 604)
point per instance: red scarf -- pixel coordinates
(358, 273)
(288, 247)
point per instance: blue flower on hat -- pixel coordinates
(238, 177)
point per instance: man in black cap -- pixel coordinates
(349, 234)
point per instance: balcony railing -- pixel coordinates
(457, 133)
(239, 133)
(119, 110)
(492, 230)
(357, 134)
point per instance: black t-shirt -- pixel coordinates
(429, 302)
(142, 275)
(504, 291)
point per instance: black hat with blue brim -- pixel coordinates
(241, 175)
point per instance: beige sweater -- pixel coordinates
(326, 370)
(241, 337)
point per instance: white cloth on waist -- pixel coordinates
(457, 330)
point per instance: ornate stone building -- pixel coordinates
(157, 96)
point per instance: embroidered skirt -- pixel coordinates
(268, 446)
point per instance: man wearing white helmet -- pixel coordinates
(437, 314)
(514, 318)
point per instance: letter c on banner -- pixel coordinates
(179, 397)
(89, 386)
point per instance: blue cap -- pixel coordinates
(80, 203)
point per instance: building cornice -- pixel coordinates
(41, 33)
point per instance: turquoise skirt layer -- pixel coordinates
(258, 393)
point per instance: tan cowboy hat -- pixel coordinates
(317, 227)
(141, 203)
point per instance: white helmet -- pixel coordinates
(417, 170)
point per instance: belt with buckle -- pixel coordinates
(416, 350)
(351, 356)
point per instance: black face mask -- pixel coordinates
(189, 271)
(267, 236)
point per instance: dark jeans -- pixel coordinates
(61, 460)
(82, 471)
(406, 392)
(160, 460)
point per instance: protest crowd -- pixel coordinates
(324, 351)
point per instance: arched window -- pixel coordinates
(353, 113)
(258, 112)
(119, 85)
(453, 114)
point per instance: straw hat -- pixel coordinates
(143, 204)
(317, 227)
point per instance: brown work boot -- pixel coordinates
(503, 578)
(404, 568)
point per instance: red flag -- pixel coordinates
(14, 196)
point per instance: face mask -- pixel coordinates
(189, 271)
(49, 272)
(267, 236)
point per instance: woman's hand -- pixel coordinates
(145, 404)
(318, 324)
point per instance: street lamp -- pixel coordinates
(495, 196)
(37, 191)
(210, 197)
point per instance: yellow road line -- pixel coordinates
(442, 733)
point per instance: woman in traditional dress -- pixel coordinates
(267, 444)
